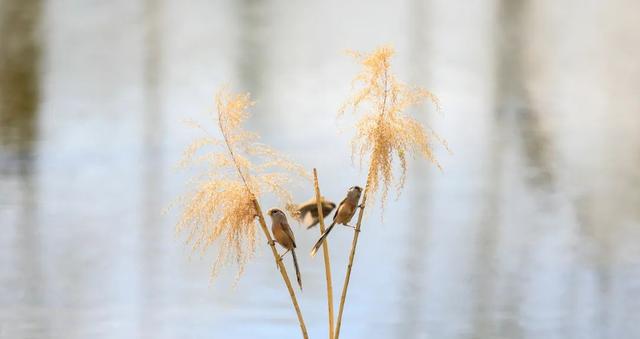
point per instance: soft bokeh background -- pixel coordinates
(531, 231)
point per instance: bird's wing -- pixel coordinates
(304, 213)
(305, 209)
(327, 207)
(289, 232)
(335, 215)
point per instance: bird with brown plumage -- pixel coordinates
(284, 236)
(307, 212)
(343, 215)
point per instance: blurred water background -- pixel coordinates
(531, 231)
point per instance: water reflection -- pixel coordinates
(19, 80)
(413, 283)
(252, 40)
(531, 230)
(151, 235)
(512, 98)
(500, 292)
(252, 62)
(20, 58)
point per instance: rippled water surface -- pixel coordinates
(531, 231)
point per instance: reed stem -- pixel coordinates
(352, 255)
(282, 269)
(325, 252)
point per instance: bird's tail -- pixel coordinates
(295, 265)
(324, 235)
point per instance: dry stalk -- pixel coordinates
(325, 252)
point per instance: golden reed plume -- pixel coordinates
(383, 133)
(223, 207)
(220, 207)
(384, 130)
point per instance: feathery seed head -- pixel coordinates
(220, 208)
(384, 132)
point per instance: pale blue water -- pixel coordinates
(531, 231)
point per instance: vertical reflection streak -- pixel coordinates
(488, 233)
(251, 55)
(512, 96)
(511, 105)
(19, 74)
(152, 170)
(414, 284)
(20, 59)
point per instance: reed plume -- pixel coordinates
(223, 206)
(384, 133)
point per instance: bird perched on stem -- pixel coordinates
(307, 212)
(284, 236)
(343, 215)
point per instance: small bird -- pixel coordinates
(284, 236)
(343, 215)
(308, 211)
